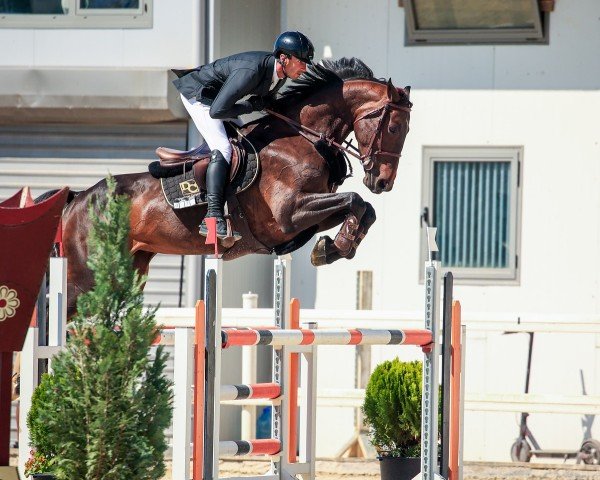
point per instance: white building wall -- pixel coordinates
(374, 32)
(545, 98)
(174, 40)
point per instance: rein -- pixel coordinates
(365, 159)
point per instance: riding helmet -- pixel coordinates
(296, 44)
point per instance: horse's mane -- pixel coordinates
(328, 73)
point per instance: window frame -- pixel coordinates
(511, 36)
(477, 276)
(77, 17)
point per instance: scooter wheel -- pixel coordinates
(590, 452)
(520, 451)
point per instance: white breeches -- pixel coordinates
(211, 129)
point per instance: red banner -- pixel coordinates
(26, 236)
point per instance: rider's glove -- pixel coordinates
(257, 102)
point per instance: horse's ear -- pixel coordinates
(393, 94)
(407, 90)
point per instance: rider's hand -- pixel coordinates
(257, 102)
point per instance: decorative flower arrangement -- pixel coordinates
(9, 302)
(37, 463)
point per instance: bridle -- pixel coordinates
(366, 159)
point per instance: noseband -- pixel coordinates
(366, 159)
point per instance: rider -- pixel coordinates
(212, 93)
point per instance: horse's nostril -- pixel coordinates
(382, 185)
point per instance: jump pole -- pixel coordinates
(289, 341)
(286, 342)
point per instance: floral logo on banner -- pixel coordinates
(9, 302)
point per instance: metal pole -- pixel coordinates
(281, 295)
(213, 298)
(446, 366)
(429, 427)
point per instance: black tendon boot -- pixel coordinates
(216, 177)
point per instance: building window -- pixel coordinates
(472, 197)
(76, 13)
(450, 22)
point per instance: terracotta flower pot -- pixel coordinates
(399, 468)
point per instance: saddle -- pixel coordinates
(183, 173)
(199, 159)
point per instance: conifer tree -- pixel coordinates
(108, 403)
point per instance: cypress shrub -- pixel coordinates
(102, 413)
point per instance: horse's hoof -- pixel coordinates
(318, 256)
(228, 242)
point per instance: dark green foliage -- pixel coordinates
(392, 408)
(109, 404)
(42, 458)
(38, 432)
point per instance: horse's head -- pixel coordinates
(337, 96)
(380, 127)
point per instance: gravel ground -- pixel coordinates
(369, 470)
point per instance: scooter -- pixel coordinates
(526, 446)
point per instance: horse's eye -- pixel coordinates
(393, 129)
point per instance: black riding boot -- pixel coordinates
(216, 178)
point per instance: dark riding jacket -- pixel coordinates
(223, 83)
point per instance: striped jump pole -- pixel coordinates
(277, 338)
(249, 447)
(267, 391)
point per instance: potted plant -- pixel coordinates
(43, 455)
(392, 412)
(103, 410)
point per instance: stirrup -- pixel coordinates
(229, 232)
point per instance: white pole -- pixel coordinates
(57, 303)
(183, 363)
(29, 375)
(308, 408)
(461, 418)
(249, 361)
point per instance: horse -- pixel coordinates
(294, 195)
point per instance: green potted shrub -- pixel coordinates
(392, 412)
(43, 455)
(102, 412)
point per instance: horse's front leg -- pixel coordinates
(366, 221)
(346, 241)
(328, 210)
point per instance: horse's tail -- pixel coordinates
(44, 196)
